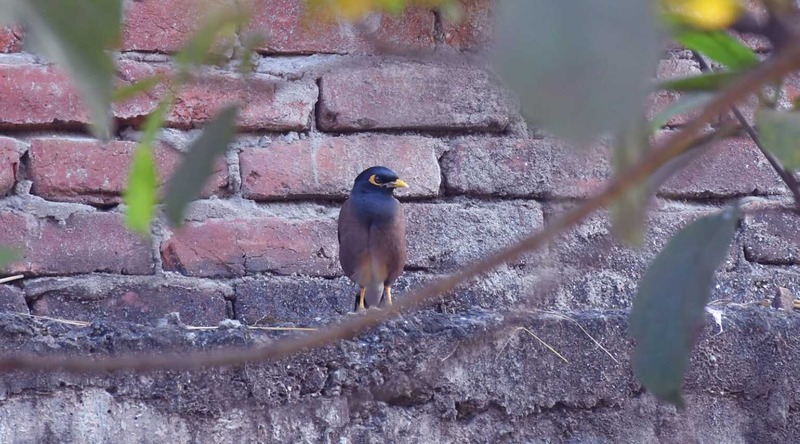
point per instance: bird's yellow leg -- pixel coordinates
(388, 290)
(361, 299)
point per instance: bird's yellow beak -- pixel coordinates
(399, 183)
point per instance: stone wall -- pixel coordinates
(412, 93)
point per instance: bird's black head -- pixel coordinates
(377, 179)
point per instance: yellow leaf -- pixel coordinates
(706, 14)
(354, 9)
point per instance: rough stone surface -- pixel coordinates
(412, 96)
(82, 243)
(143, 300)
(773, 238)
(12, 299)
(327, 166)
(9, 164)
(235, 247)
(425, 377)
(92, 172)
(278, 300)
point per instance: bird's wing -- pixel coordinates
(353, 240)
(388, 245)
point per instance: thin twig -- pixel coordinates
(787, 177)
(778, 65)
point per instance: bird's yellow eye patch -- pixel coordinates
(374, 180)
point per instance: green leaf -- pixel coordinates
(125, 92)
(718, 46)
(711, 81)
(141, 194)
(683, 105)
(76, 34)
(8, 256)
(188, 180)
(199, 49)
(628, 211)
(563, 58)
(780, 135)
(667, 314)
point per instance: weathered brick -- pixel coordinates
(36, 95)
(12, 299)
(447, 236)
(138, 300)
(164, 25)
(93, 172)
(773, 238)
(667, 70)
(327, 166)
(265, 103)
(592, 246)
(235, 247)
(10, 39)
(497, 166)
(9, 164)
(412, 96)
(730, 167)
(577, 173)
(289, 31)
(272, 300)
(474, 30)
(83, 243)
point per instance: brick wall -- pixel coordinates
(324, 104)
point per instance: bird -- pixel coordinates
(372, 236)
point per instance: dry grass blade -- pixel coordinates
(596, 342)
(11, 278)
(781, 64)
(549, 347)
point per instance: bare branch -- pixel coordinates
(777, 66)
(787, 177)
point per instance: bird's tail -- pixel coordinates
(373, 295)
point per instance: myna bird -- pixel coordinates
(372, 236)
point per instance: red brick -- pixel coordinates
(12, 299)
(36, 95)
(266, 104)
(163, 25)
(475, 28)
(235, 247)
(497, 166)
(83, 243)
(137, 300)
(412, 96)
(773, 238)
(446, 236)
(9, 164)
(288, 31)
(10, 39)
(92, 172)
(659, 101)
(730, 167)
(327, 166)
